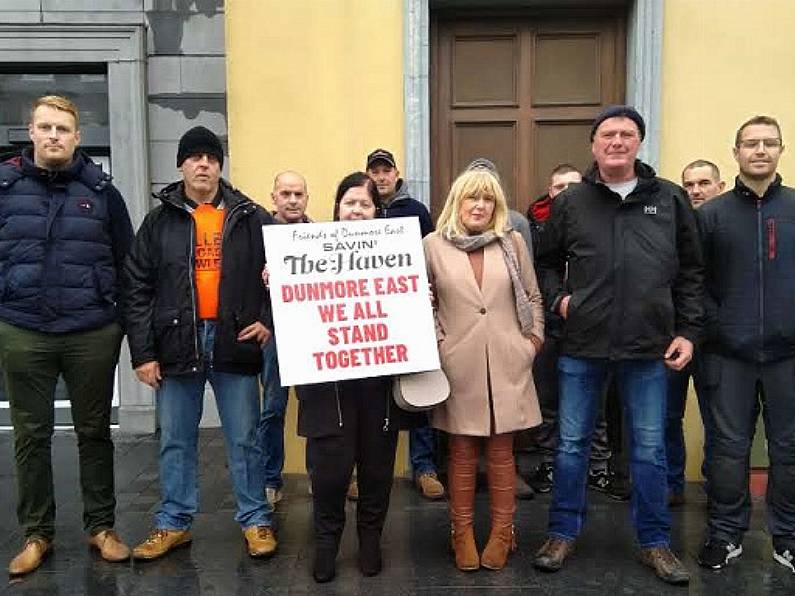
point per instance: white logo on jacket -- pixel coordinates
(650, 210)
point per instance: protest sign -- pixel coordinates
(350, 300)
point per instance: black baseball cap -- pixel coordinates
(380, 155)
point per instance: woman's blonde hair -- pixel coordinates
(473, 183)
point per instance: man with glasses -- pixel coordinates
(748, 240)
(632, 307)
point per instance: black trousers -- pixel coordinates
(735, 392)
(330, 460)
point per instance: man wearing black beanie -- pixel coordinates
(188, 325)
(632, 305)
(200, 140)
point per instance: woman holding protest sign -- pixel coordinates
(490, 326)
(350, 423)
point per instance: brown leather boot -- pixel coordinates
(462, 474)
(464, 548)
(502, 486)
(31, 555)
(110, 546)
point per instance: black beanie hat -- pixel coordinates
(199, 140)
(620, 112)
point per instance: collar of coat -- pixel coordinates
(741, 189)
(647, 178)
(174, 195)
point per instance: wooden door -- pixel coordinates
(522, 91)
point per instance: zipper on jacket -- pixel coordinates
(388, 408)
(224, 233)
(192, 276)
(760, 255)
(339, 407)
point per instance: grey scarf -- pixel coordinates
(524, 312)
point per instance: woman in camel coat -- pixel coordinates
(490, 326)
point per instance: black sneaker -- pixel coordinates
(716, 554)
(541, 478)
(785, 556)
(608, 483)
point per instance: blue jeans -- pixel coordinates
(180, 403)
(271, 423)
(642, 385)
(421, 450)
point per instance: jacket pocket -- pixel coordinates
(228, 349)
(171, 333)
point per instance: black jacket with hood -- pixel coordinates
(635, 271)
(403, 205)
(749, 255)
(160, 289)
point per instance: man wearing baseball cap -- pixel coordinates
(187, 324)
(397, 202)
(632, 305)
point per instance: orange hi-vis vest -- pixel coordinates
(209, 221)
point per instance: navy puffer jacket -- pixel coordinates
(63, 238)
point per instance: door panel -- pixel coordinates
(522, 91)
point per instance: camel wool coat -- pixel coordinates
(480, 342)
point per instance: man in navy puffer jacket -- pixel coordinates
(64, 233)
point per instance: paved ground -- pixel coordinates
(415, 544)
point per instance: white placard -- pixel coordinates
(350, 300)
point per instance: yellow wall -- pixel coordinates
(313, 86)
(724, 61)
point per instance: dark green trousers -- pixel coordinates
(31, 363)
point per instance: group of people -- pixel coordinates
(617, 281)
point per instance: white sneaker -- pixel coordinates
(273, 495)
(786, 558)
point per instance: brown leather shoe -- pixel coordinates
(553, 553)
(31, 555)
(463, 545)
(353, 490)
(429, 486)
(676, 499)
(502, 542)
(665, 565)
(159, 542)
(110, 546)
(261, 541)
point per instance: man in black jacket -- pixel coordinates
(632, 304)
(64, 233)
(196, 311)
(397, 202)
(748, 237)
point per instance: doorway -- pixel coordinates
(520, 89)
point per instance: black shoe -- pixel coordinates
(785, 556)
(325, 567)
(541, 478)
(608, 483)
(370, 553)
(523, 490)
(716, 554)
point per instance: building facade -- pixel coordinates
(314, 85)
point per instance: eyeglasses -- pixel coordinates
(754, 143)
